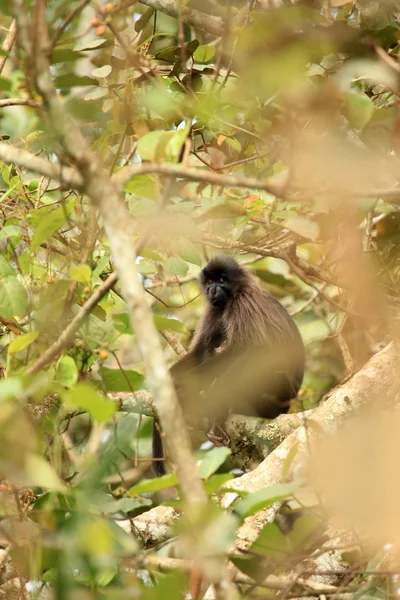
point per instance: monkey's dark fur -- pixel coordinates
(246, 356)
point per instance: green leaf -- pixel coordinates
(144, 186)
(10, 388)
(41, 473)
(360, 108)
(81, 273)
(117, 381)
(176, 266)
(263, 499)
(96, 94)
(204, 54)
(146, 267)
(72, 80)
(304, 227)
(147, 145)
(213, 484)
(167, 54)
(212, 461)
(303, 529)
(169, 324)
(85, 397)
(6, 268)
(10, 231)
(92, 45)
(271, 542)
(67, 372)
(13, 298)
(22, 341)
(102, 72)
(154, 485)
(144, 19)
(187, 251)
(50, 223)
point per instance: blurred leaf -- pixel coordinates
(187, 251)
(212, 461)
(10, 388)
(169, 324)
(167, 54)
(146, 267)
(203, 54)
(271, 542)
(22, 342)
(214, 483)
(154, 485)
(92, 45)
(359, 108)
(226, 210)
(13, 298)
(81, 273)
(115, 380)
(85, 397)
(289, 459)
(263, 499)
(6, 268)
(41, 473)
(96, 94)
(144, 19)
(102, 72)
(169, 587)
(72, 80)
(176, 266)
(303, 529)
(50, 223)
(67, 372)
(304, 227)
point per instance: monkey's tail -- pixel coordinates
(158, 452)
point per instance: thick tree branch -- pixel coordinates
(193, 17)
(66, 176)
(377, 381)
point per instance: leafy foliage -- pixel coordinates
(302, 97)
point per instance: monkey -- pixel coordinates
(246, 356)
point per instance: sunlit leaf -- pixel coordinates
(203, 54)
(116, 380)
(67, 371)
(41, 473)
(176, 266)
(13, 298)
(22, 342)
(81, 273)
(102, 72)
(304, 227)
(263, 499)
(50, 223)
(187, 250)
(169, 324)
(154, 485)
(6, 268)
(212, 461)
(85, 397)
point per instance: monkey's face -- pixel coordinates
(221, 280)
(218, 292)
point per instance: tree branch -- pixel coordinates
(193, 17)
(118, 224)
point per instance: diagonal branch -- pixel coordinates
(118, 224)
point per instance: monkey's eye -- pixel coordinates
(221, 280)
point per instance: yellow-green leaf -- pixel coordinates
(22, 342)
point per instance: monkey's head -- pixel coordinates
(221, 279)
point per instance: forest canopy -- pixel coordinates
(137, 141)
